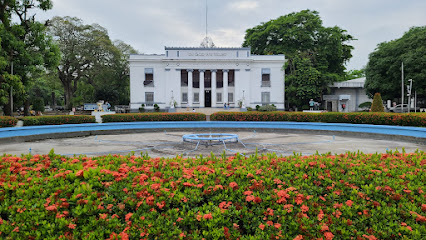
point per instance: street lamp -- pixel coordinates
(409, 88)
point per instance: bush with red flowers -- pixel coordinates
(147, 117)
(417, 120)
(6, 121)
(57, 120)
(346, 196)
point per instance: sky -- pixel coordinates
(150, 25)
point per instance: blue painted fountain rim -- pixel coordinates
(343, 127)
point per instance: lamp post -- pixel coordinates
(409, 87)
(11, 92)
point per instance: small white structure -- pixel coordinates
(349, 94)
(206, 77)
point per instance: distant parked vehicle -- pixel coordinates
(399, 108)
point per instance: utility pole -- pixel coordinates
(11, 92)
(402, 87)
(409, 87)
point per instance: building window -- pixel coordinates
(184, 97)
(149, 99)
(266, 77)
(149, 77)
(196, 79)
(178, 54)
(231, 97)
(183, 78)
(219, 97)
(207, 79)
(219, 79)
(266, 98)
(238, 54)
(248, 54)
(167, 53)
(231, 78)
(196, 97)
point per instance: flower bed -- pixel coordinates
(6, 121)
(418, 120)
(57, 120)
(146, 117)
(353, 195)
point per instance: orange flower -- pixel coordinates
(277, 225)
(71, 226)
(349, 203)
(128, 216)
(304, 208)
(208, 216)
(261, 226)
(299, 237)
(250, 198)
(328, 235)
(179, 219)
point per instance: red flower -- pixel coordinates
(51, 208)
(349, 203)
(328, 235)
(250, 198)
(128, 216)
(299, 237)
(261, 226)
(233, 185)
(71, 226)
(208, 216)
(304, 208)
(179, 219)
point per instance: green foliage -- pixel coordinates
(156, 107)
(353, 74)
(417, 120)
(365, 105)
(6, 121)
(383, 70)
(313, 52)
(268, 108)
(142, 108)
(352, 195)
(377, 105)
(38, 104)
(57, 120)
(146, 117)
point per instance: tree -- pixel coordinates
(377, 105)
(306, 44)
(353, 74)
(383, 71)
(26, 45)
(90, 61)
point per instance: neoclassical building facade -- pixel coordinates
(206, 78)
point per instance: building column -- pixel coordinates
(225, 86)
(214, 100)
(202, 103)
(190, 83)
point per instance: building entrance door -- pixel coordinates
(207, 98)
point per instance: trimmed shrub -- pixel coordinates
(147, 117)
(418, 120)
(268, 108)
(377, 105)
(6, 121)
(38, 104)
(57, 120)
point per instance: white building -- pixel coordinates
(206, 77)
(349, 93)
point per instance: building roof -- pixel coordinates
(353, 83)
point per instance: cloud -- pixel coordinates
(244, 5)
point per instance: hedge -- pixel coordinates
(57, 120)
(6, 121)
(146, 117)
(418, 120)
(346, 196)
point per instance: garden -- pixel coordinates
(346, 196)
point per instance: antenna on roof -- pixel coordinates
(207, 41)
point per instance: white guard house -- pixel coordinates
(351, 93)
(206, 78)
